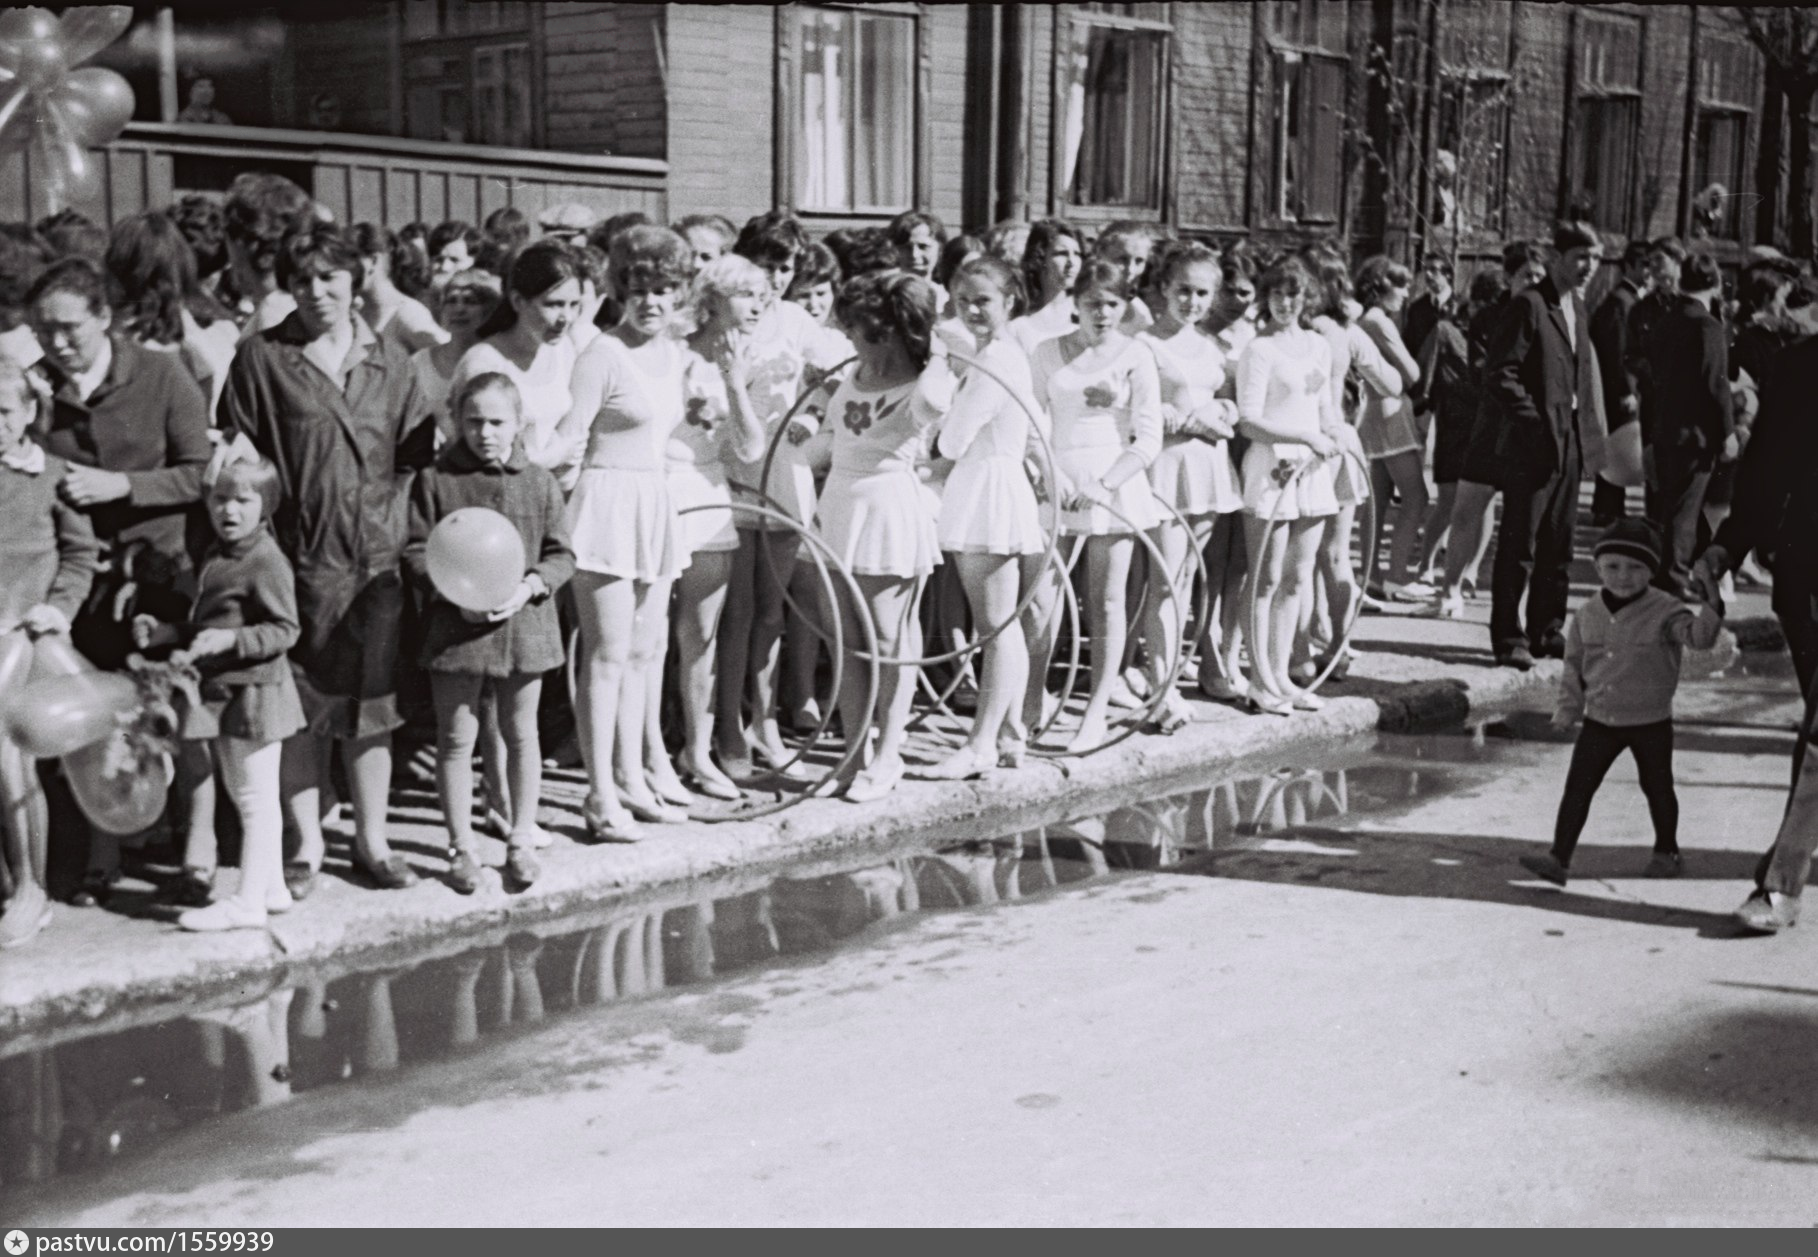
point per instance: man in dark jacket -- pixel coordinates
(1540, 391)
(1666, 257)
(1776, 510)
(1610, 334)
(1688, 357)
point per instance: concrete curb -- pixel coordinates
(44, 993)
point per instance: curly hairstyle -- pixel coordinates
(534, 271)
(815, 266)
(1042, 236)
(509, 226)
(261, 210)
(204, 225)
(1378, 276)
(862, 250)
(726, 275)
(601, 235)
(771, 239)
(1332, 289)
(880, 304)
(1290, 276)
(477, 278)
(154, 275)
(903, 226)
(444, 234)
(1005, 276)
(649, 257)
(718, 224)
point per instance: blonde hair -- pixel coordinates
(727, 275)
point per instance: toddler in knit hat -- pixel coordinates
(1623, 652)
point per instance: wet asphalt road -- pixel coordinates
(1354, 1009)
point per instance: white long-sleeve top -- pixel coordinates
(1114, 405)
(1284, 386)
(1351, 346)
(992, 409)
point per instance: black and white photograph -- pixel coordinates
(1198, 614)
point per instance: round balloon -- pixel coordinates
(476, 558)
(118, 800)
(15, 665)
(31, 46)
(58, 715)
(56, 656)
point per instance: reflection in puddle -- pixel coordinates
(78, 1105)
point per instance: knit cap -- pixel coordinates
(1632, 538)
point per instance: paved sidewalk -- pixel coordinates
(95, 967)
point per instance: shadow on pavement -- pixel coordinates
(1477, 867)
(1760, 1062)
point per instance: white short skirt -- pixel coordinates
(691, 485)
(1196, 477)
(1269, 472)
(879, 523)
(988, 507)
(1351, 471)
(623, 523)
(1134, 500)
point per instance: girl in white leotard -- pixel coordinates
(989, 521)
(1104, 397)
(632, 388)
(874, 512)
(1051, 264)
(1194, 473)
(1284, 405)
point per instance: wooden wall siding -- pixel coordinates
(603, 82)
(392, 189)
(1212, 100)
(722, 107)
(351, 56)
(134, 177)
(1042, 21)
(952, 147)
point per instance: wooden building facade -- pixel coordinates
(1387, 122)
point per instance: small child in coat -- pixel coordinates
(508, 649)
(241, 627)
(1622, 659)
(48, 552)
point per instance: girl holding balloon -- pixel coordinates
(48, 552)
(244, 620)
(492, 620)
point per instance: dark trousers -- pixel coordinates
(1534, 557)
(1608, 501)
(1598, 747)
(1675, 506)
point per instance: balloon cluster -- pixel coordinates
(52, 110)
(57, 706)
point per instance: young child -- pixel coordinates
(989, 521)
(508, 649)
(1623, 651)
(244, 621)
(48, 551)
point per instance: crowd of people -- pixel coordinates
(231, 429)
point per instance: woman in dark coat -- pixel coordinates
(339, 413)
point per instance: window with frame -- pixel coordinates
(1115, 76)
(467, 72)
(1470, 164)
(1310, 84)
(1606, 118)
(1729, 76)
(853, 121)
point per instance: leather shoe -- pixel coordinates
(1552, 646)
(1516, 657)
(1768, 912)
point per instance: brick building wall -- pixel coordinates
(722, 108)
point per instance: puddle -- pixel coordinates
(74, 1108)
